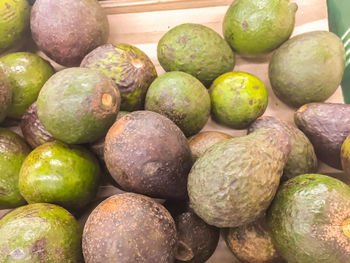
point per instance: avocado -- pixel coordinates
(129, 228)
(307, 68)
(196, 50)
(235, 180)
(252, 243)
(326, 125)
(27, 73)
(13, 151)
(40, 233)
(197, 240)
(309, 220)
(129, 67)
(200, 142)
(5, 95)
(302, 158)
(14, 22)
(76, 28)
(237, 99)
(147, 153)
(57, 173)
(345, 156)
(78, 105)
(182, 98)
(32, 129)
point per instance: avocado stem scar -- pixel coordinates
(107, 100)
(137, 63)
(346, 227)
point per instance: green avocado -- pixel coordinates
(129, 67)
(5, 96)
(307, 68)
(14, 22)
(13, 151)
(39, 233)
(182, 98)
(254, 27)
(197, 50)
(235, 180)
(302, 158)
(27, 73)
(78, 105)
(345, 156)
(58, 173)
(309, 220)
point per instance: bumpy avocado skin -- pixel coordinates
(129, 67)
(13, 151)
(309, 220)
(27, 73)
(302, 158)
(197, 50)
(78, 105)
(182, 98)
(256, 27)
(234, 181)
(14, 22)
(307, 68)
(345, 156)
(40, 233)
(326, 125)
(61, 174)
(252, 243)
(5, 95)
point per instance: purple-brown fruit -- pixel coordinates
(147, 153)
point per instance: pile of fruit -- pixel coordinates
(108, 118)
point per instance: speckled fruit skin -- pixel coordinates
(197, 240)
(40, 233)
(13, 151)
(61, 174)
(307, 68)
(345, 156)
(27, 73)
(309, 220)
(78, 105)
(182, 98)
(235, 180)
(237, 99)
(76, 28)
(32, 129)
(147, 153)
(326, 125)
(252, 243)
(197, 50)
(200, 142)
(129, 67)
(5, 95)
(129, 228)
(254, 27)
(14, 22)
(302, 158)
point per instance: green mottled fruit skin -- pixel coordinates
(345, 156)
(14, 22)
(182, 98)
(254, 27)
(197, 50)
(252, 243)
(307, 68)
(234, 181)
(13, 151)
(5, 95)
(72, 105)
(27, 73)
(302, 158)
(307, 220)
(39, 233)
(57, 173)
(129, 67)
(237, 99)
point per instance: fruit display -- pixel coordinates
(131, 133)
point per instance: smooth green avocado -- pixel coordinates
(182, 98)
(197, 50)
